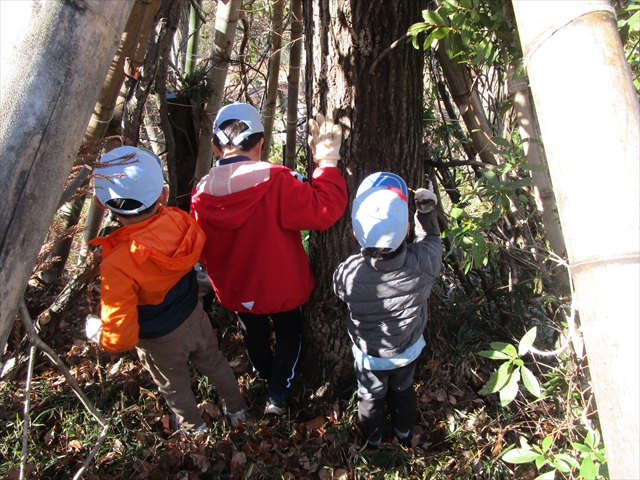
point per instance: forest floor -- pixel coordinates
(458, 434)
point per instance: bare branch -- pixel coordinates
(37, 341)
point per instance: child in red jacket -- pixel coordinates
(252, 213)
(149, 295)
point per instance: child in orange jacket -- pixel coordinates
(149, 294)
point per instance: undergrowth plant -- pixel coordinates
(506, 379)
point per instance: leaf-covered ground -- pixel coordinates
(458, 434)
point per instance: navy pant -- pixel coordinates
(276, 365)
(393, 386)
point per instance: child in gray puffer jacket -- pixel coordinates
(386, 288)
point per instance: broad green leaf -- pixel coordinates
(510, 390)
(560, 465)
(453, 45)
(592, 439)
(503, 142)
(429, 41)
(417, 28)
(546, 443)
(520, 455)
(523, 182)
(568, 459)
(526, 341)
(580, 447)
(498, 380)
(490, 386)
(547, 476)
(433, 18)
(588, 469)
(530, 382)
(541, 461)
(456, 212)
(494, 355)
(634, 21)
(441, 32)
(505, 348)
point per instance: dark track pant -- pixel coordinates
(394, 386)
(277, 366)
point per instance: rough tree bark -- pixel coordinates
(589, 119)
(381, 115)
(66, 47)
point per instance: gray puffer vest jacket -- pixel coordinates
(387, 299)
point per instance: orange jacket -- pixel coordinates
(140, 264)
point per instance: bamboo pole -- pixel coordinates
(589, 120)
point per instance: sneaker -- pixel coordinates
(239, 416)
(275, 405)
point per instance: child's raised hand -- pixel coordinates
(425, 199)
(325, 139)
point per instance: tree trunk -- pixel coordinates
(381, 115)
(466, 98)
(66, 47)
(294, 84)
(274, 78)
(227, 16)
(166, 25)
(105, 106)
(543, 190)
(101, 117)
(589, 119)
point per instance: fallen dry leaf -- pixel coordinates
(315, 423)
(74, 445)
(238, 460)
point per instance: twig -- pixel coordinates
(386, 51)
(27, 406)
(75, 184)
(93, 452)
(37, 341)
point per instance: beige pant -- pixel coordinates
(167, 360)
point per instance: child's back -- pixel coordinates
(386, 288)
(149, 293)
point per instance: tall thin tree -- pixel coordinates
(294, 82)
(67, 48)
(227, 16)
(274, 77)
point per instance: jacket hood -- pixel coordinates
(148, 240)
(227, 197)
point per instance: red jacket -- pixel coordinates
(141, 263)
(252, 214)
